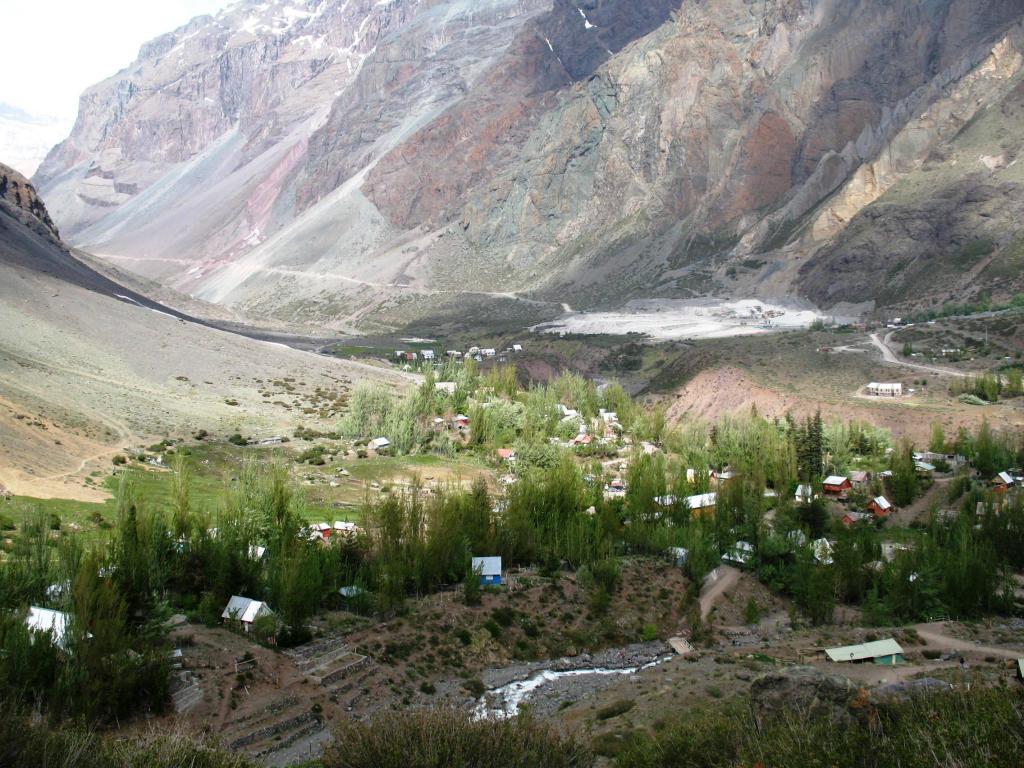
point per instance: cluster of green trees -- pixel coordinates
(113, 658)
(988, 450)
(990, 386)
(501, 413)
(983, 304)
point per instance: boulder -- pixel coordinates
(802, 693)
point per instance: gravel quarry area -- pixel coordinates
(674, 319)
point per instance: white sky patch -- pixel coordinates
(74, 44)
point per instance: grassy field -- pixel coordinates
(331, 491)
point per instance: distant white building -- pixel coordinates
(45, 620)
(245, 610)
(379, 444)
(701, 501)
(878, 389)
(445, 386)
(887, 652)
(822, 550)
(740, 553)
(428, 354)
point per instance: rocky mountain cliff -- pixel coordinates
(21, 201)
(360, 161)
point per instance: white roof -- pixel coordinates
(834, 480)
(345, 527)
(701, 500)
(822, 549)
(487, 566)
(665, 501)
(46, 620)
(1005, 477)
(245, 609)
(379, 442)
(882, 502)
(887, 647)
(741, 552)
(804, 491)
(256, 552)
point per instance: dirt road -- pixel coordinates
(935, 634)
(726, 580)
(890, 357)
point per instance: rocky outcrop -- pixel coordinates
(803, 694)
(17, 191)
(337, 157)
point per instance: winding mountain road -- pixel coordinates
(890, 357)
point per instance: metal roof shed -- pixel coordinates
(887, 652)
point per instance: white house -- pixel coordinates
(346, 528)
(245, 610)
(379, 444)
(804, 494)
(822, 549)
(740, 554)
(489, 352)
(517, 347)
(46, 620)
(888, 389)
(445, 386)
(428, 354)
(701, 501)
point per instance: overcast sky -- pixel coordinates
(55, 49)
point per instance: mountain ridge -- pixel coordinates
(585, 151)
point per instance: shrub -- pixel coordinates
(648, 633)
(7, 523)
(616, 708)
(504, 616)
(433, 738)
(119, 460)
(983, 727)
(237, 439)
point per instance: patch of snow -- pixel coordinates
(586, 21)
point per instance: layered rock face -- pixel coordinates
(24, 202)
(311, 159)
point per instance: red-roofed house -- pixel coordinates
(834, 485)
(880, 506)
